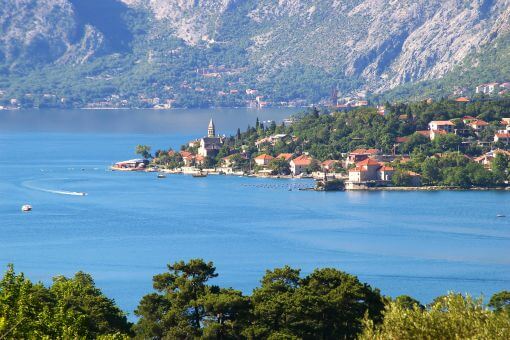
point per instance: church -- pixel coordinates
(210, 145)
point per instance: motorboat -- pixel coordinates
(161, 176)
(26, 208)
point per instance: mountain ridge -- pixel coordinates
(374, 45)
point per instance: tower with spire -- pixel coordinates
(211, 130)
(210, 145)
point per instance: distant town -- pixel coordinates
(462, 152)
(235, 95)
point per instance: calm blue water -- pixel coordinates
(132, 224)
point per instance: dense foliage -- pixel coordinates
(449, 317)
(69, 308)
(325, 304)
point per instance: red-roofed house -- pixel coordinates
(329, 164)
(299, 164)
(285, 156)
(441, 125)
(385, 173)
(263, 160)
(359, 155)
(503, 137)
(364, 171)
(187, 157)
(478, 125)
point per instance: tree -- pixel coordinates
(450, 317)
(186, 307)
(500, 166)
(279, 166)
(401, 178)
(501, 302)
(314, 166)
(447, 142)
(70, 308)
(144, 151)
(327, 304)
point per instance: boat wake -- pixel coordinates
(51, 191)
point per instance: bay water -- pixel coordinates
(130, 225)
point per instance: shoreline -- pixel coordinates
(290, 177)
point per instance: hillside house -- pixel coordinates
(442, 125)
(503, 137)
(359, 155)
(300, 164)
(370, 171)
(488, 88)
(477, 125)
(263, 160)
(285, 156)
(486, 160)
(329, 165)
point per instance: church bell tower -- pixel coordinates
(211, 131)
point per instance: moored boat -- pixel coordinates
(26, 208)
(200, 174)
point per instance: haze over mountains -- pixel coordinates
(287, 48)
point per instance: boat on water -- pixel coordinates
(161, 176)
(26, 208)
(500, 215)
(200, 174)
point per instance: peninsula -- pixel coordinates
(448, 144)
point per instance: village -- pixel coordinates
(359, 169)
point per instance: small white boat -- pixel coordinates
(26, 208)
(500, 215)
(161, 176)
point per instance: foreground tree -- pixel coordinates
(449, 317)
(186, 307)
(327, 304)
(69, 309)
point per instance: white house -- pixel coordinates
(299, 164)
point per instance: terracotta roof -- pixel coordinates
(479, 122)
(365, 152)
(402, 139)
(186, 154)
(386, 168)
(368, 162)
(265, 157)
(302, 160)
(199, 158)
(462, 100)
(285, 156)
(503, 135)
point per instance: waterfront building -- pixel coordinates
(300, 164)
